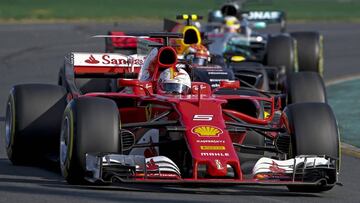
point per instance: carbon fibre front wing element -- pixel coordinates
(109, 167)
(113, 168)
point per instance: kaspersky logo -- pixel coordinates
(206, 131)
(92, 60)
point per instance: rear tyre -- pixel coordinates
(281, 52)
(305, 87)
(90, 125)
(310, 51)
(33, 121)
(307, 138)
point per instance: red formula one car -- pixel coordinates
(163, 128)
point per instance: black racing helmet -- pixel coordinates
(230, 9)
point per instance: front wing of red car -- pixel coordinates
(301, 170)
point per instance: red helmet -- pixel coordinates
(197, 54)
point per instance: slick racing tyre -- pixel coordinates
(310, 51)
(33, 122)
(307, 138)
(305, 87)
(281, 52)
(90, 125)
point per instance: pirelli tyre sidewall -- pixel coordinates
(33, 121)
(90, 125)
(10, 128)
(67, 135)
(307, 138)
(310, 51)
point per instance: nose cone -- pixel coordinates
(217, 168)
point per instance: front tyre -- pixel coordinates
(90, 125)
(313, 129)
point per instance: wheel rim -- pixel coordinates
(64, 142)
(8, 125)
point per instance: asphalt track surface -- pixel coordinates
(33, 53)
(346, 94)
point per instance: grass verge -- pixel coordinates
(115, 10)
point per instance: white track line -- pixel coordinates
(342, 79)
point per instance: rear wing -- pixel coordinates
(116, 65)
(127, 45)
(269, 17)
(103, 65)
(172, 26)
(144, 46)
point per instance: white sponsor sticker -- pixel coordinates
(107, 59)
(218, 165)
(199, 117)
(263, 15)
(196, 87)
(214, 154)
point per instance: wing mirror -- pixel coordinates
(230, 84)
(128, 82)
(137, 85)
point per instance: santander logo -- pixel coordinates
(113, 60)
(92, 60)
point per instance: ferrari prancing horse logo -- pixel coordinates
(148, 112)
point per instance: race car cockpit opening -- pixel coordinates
(167, 57)
(190, 37)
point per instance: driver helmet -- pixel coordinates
(197, 54)
(231, 24)
(215, 16)
(174, 81)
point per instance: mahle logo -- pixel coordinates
(206, 131)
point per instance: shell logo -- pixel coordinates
(206, 131)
